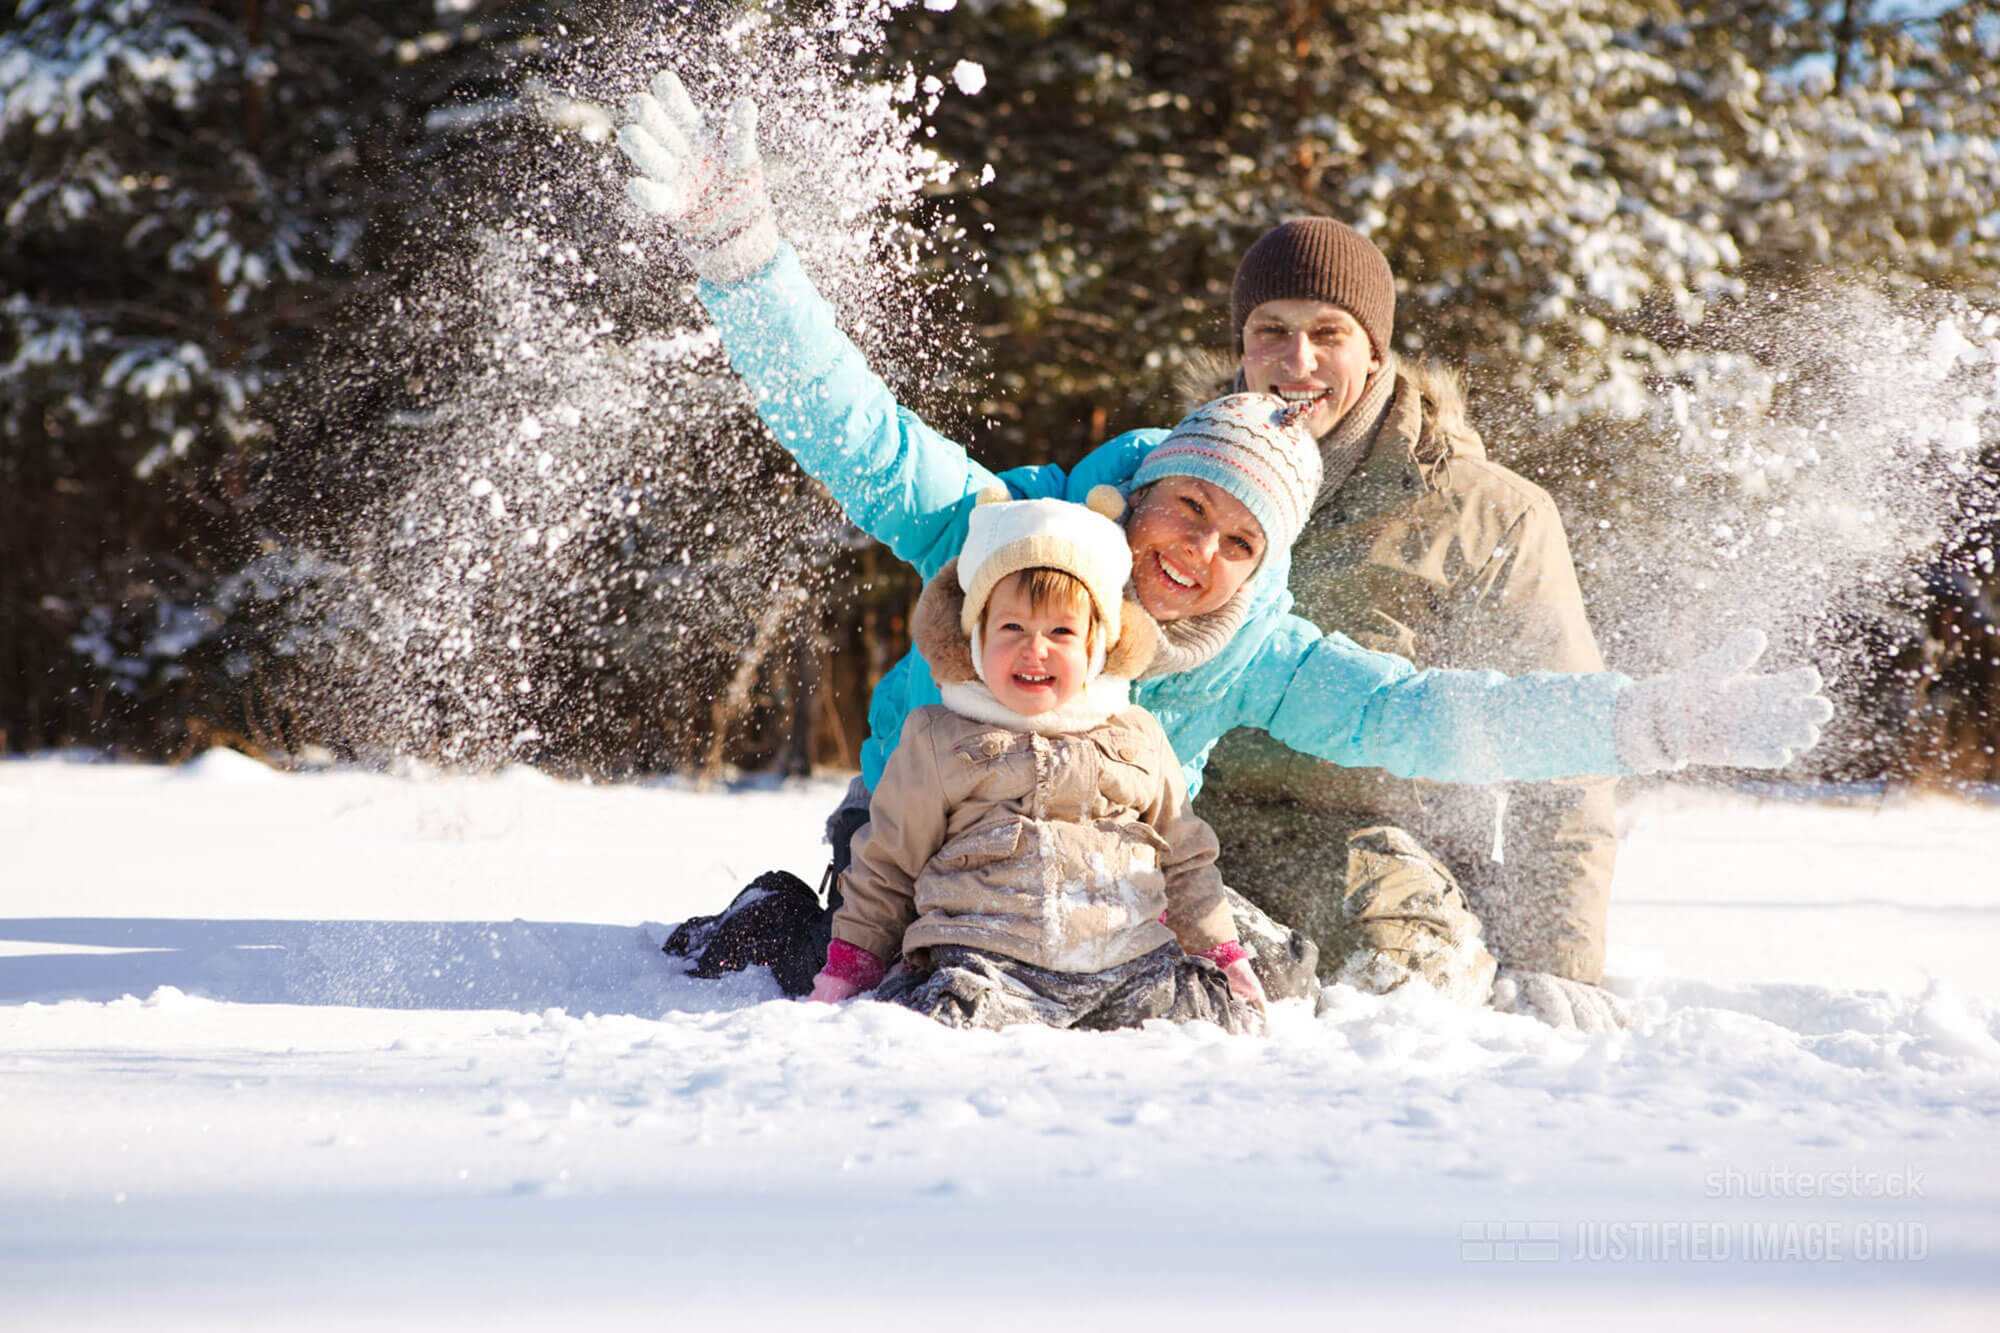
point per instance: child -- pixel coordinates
(1029, 851)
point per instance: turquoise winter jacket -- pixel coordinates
(1323, 694)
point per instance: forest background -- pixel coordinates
(347, 413)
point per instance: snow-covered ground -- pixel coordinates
(302, 1051)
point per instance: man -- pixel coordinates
(1421, 546)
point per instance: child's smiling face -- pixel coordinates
(1034, 658)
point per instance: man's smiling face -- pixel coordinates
(1308, 351)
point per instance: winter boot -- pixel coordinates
(776, 922)
(1403, 917)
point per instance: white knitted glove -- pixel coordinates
(1713, 711)
(1559, 1001)
(703, 174)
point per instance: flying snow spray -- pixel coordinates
(1806, 467)
(593, 547)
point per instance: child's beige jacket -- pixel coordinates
(1062, 850)
(1062, 845)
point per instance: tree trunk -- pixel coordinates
(735, 700)
(1843, 45)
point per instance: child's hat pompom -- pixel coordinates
(1107, 501)
(993, 495)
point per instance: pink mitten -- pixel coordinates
(1244, 982)
(850, 969)
(1234, 960)
(830, 989)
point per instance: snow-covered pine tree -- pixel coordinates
(192, 191)
(286, 282)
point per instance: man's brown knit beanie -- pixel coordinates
(1317, 259)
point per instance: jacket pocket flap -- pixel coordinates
(979, 846)
(1123, 749)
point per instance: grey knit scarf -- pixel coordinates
(1186, 644)
(1342, 448)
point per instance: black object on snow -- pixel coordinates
(776, 922)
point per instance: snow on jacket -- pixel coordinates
(1434, 553)
(1068, 849)
(912, 489)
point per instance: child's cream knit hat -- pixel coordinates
(1004, 536)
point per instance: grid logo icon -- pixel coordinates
(1508, 1242)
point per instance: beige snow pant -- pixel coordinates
(1381, 908)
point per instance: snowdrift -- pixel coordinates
(317, 1048)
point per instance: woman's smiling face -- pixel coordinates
(1194, 545)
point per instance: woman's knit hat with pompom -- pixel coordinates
(1250, 445)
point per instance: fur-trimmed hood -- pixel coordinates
(1446, 434)
(935, 631)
